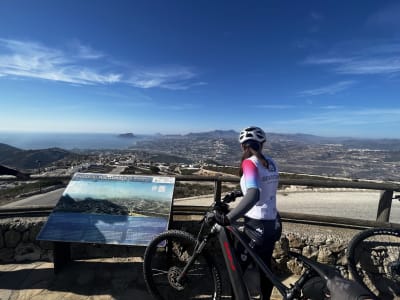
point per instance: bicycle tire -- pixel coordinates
(373, 258)
(164, 259)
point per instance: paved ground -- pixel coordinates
(97, 279)
(90, 279)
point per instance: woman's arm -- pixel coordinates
(248, 201)
(252, 195)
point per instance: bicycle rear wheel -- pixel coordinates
(374, 260)
(164, 260)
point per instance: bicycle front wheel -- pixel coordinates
(164, 259)
(374, 260)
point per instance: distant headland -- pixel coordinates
(128, 135)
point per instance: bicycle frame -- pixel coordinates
(233, 266)
(234, 270)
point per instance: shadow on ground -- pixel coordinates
(78, 280)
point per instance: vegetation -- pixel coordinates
(184, 190)
(18, 189)
(188, 171)
(132, 170)
(224, 169)
(32, 159)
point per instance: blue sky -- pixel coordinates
(330, 68)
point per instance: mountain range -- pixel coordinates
(30, 159)
(295, 153)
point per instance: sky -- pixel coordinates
(329, 68)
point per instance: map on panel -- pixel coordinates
(111, 209)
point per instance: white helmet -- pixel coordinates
(252, 133)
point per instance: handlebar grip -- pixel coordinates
(230, 197)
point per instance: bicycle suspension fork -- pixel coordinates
(199, 247)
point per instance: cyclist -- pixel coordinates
(259, 183)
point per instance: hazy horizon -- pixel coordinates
(139, 134)
(76, 140)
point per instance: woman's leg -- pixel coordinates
(266, 285)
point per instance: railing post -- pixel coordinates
(384, 206)
(217, 189)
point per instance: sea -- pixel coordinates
(68, 141)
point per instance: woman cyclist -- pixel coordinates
(259, 183)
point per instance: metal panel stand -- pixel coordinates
(62, 255)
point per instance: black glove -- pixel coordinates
(343, 289)
(230, 197)
(219, 218)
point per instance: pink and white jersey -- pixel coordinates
(255, 175)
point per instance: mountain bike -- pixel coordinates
(178, 265)
(373, 258)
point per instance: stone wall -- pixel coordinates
(18, 240)
(18, 244)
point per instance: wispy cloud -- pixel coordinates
(81, 64)
(373, 60)
(315, 19)
(173, 78)
(274, 106)
(329, 107)
(328, 90)
(346, 117)
(388, 16)
(179, 107)
(33, 60)
(316, 16)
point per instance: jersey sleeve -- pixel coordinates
(250, 174)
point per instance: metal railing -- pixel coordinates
(384, 205)
(382, 216)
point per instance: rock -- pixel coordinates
(19, 225)
(319, 240)
(342, 260)
(128, 135)
(325, 256)
(6, 255)
(12, 238)
(281, 248)
(337, 246)
(295, 241)
(33, 233)
(27, 251)
(25, 237)
(294, 267)
(46, 245)
(310, 252)
(1, 239)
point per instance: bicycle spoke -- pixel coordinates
(163, 266)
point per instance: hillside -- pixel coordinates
(375, 159)
(28, 159)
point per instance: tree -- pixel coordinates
(154, 169)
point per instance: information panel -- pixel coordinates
(111, 209)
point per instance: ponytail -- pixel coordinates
(251, 148)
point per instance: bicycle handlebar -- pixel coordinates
(230, 197)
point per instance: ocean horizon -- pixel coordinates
(67, 141)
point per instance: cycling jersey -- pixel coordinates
(255, 175)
